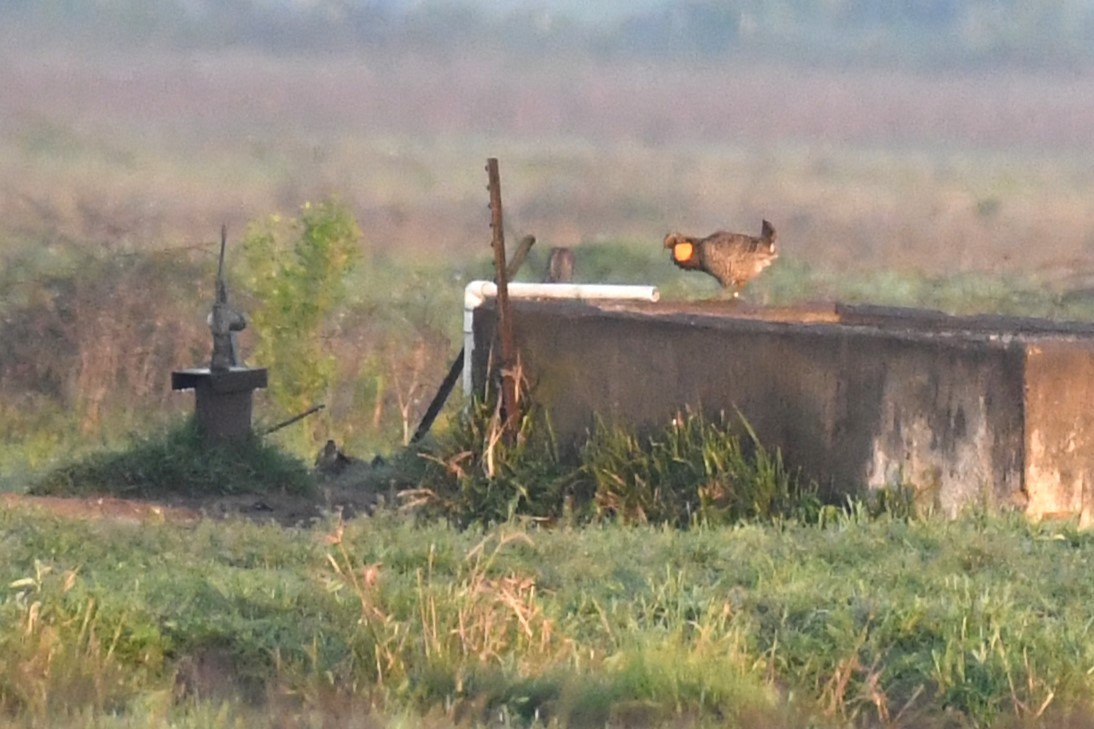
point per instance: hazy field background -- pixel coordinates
(897, 147)
(882, 168)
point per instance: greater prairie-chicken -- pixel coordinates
(732, 258)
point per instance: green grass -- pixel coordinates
(765, 610)
(793, 282)
(692, 471)
(177, 461)
(876, 622)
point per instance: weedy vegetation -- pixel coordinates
(679, 578)
(693, 471)
(296, 273)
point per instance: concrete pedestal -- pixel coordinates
(223, 398)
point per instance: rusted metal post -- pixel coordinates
(505, 324)
(454, 371)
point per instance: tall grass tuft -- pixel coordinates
(68, 653)
(474, 474)
(695, 470)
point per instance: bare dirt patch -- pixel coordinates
(102, 507)
(345, 496)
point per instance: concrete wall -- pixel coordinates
(1059, 437)
(984, 411)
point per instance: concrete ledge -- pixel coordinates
(236, 379)
(986, 411)
(223, 400)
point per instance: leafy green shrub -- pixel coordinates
(297, 271)
(179, 462)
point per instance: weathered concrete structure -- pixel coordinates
(222, 399)
(990, 411)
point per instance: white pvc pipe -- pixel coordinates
(478, 292)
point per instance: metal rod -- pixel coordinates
(504, 324)
(454, 371)
(285, 423)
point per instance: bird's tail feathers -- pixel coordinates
(768, 235)
(767, 232)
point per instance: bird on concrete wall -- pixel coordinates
(560, 266)
(733, 259)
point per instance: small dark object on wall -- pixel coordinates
(560, 266)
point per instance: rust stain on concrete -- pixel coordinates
(1059, 448)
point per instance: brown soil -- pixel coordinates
(341, 496)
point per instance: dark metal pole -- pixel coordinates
(504, 322)
(293, 419)
(449, 381)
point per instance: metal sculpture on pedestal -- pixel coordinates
(224, 389)
(224, 321)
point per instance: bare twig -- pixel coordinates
(285, 423)
(519, 256)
